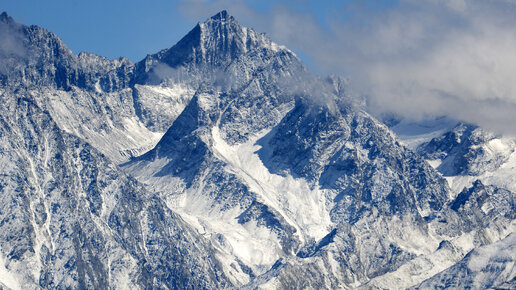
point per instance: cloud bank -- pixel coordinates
(415, 58)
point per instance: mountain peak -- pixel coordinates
(222, 16)
(216, 42)
(221, 21)
(4, 17)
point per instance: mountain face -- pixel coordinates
(486, 267)
(467, 153)
(87, 95)
(33, 57)
(212, 45)
(71, 218)
(236, 168)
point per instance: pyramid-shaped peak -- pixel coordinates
(221, 19)
(218, 41)
(4, 17)
(222, 16)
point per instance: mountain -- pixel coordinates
(33, 57)
(490, 266)
(467, 153)
(71, 218)
(223, 162)
(218, 42)
(284, 166)
(461, 152)
(87, 95)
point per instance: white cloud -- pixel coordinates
(11, 45)
(419, 58)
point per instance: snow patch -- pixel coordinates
(7, 277)
(304, 208)
(414, 133)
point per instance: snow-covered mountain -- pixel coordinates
(490, 266)
(87, 95)
(236, 168)
(462, 153)
(71, 218)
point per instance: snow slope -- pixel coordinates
(490, 266)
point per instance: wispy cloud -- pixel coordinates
(416, 58)
(11, 45)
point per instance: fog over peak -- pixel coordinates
(414, 58)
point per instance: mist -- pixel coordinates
(11, 45)
(417, 59)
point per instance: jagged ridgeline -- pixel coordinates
(221, 162)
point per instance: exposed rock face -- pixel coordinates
(34, 57)
(87, 95)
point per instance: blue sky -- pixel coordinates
(110, 28)
(417, 58)
(136, 28)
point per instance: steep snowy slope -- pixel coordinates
(490, 266)
(71, 218)
(467, 153)
(379, 233)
